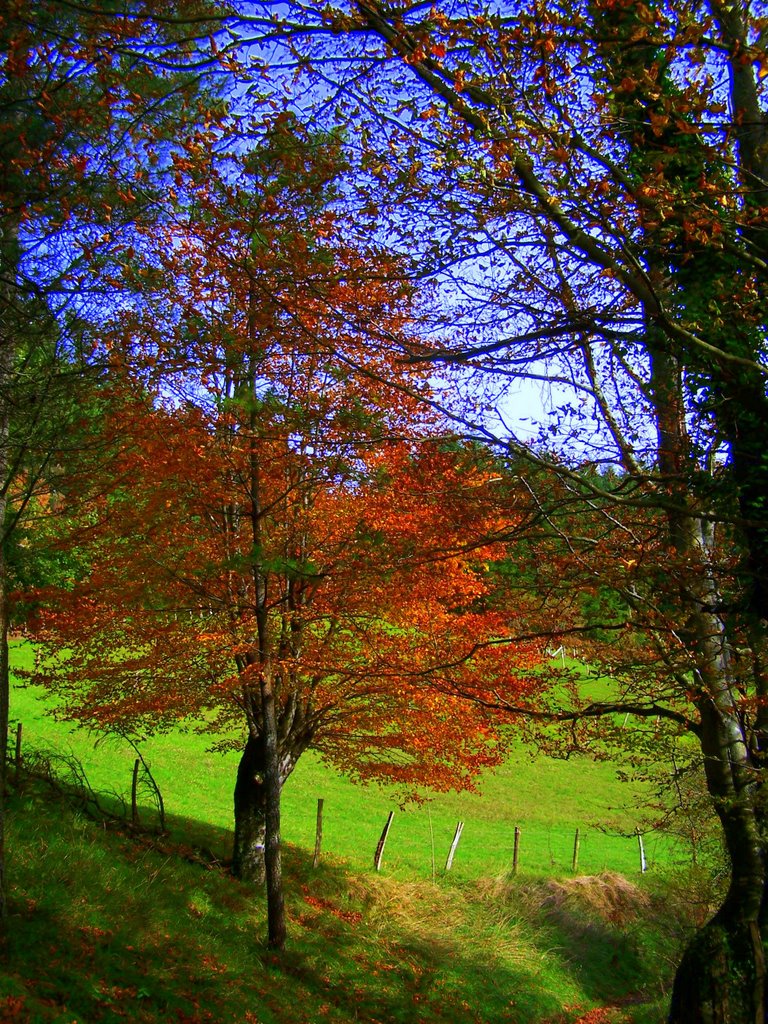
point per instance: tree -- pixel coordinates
(289, 554)
(243, 550)
(598, 191)
(85, 99)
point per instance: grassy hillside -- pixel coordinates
(547, 799)
(106, 927)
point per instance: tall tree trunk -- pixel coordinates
(721, 978)
(276, 928)
(248, 862)
(723, 974)
(8, 343)
(267, 718)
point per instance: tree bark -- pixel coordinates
(250, 814)
(250, 806)
(5, 700)
(273, 863)
(9, 256)
(718, 981)
(721, 977)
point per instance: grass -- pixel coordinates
(108, 927)
(547, 799)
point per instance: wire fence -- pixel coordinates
(468, 848)
(406, 840)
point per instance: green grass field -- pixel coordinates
(547, 799)
(106, 926)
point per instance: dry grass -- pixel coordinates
(608, 897)
(422, 909)
(444, 918)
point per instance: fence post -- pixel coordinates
(516, 851)
(380, 846)
(134, 792)
(454, 844)
(318, 832)
(576, 844)
(431, 840)
(17, 760)
(643, 863)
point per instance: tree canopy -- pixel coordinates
(406, 214)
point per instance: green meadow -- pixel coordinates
(106, 926)
(547, 799)
(110, 923)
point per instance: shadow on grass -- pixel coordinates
(598, 926)
(107, 928)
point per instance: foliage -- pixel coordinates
(84, 96)
(287, 484)
(588, 193)
(279, 542)
(374, 577)
(583, 186)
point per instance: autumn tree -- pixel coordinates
(87, 95)
(280, 547)
(586, 184)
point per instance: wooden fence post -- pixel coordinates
(134, 792)
(516, 851)
(318, 832)
(380, 847)
(576, 844)
(431, 840)
(454, 844)
(643, 863)
(17, 760)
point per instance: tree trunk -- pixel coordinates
(257, 848)
(273, 785)
(721, 978)
(8, 299)
(248, 860)
(5, 698)
(250, 814)
(4, 711)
